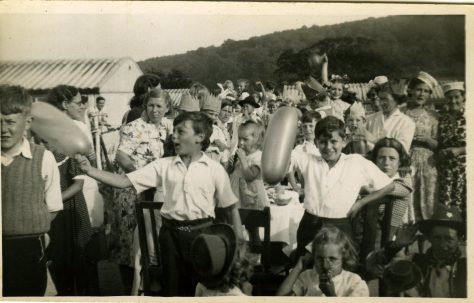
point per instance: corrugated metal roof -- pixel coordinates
(45, 74)
(175, 94)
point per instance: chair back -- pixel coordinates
(148, 213)
(259, 218)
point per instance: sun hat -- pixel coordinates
(443, 216)
(213, 253)
(402, 275)
(377, 81)
(427, 79)
(458, 85)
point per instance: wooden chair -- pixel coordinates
(264, 281)
(150, 270)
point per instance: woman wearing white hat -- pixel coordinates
(424, 143)
(452, 149)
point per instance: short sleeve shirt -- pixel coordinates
(331, 192)
(346, 284)
(190, 193)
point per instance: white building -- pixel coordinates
(111, 78)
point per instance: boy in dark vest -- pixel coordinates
(31, 196)
(443, 265)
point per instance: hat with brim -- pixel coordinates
(427, 79)
(453, 86)
(443, 216)
(401, 276)
(249, 100)
(309, 92)
(213, 253)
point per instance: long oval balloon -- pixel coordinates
(58, 130)
(278, 144)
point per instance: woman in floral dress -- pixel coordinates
(452, 149)
(141, 142)
(424, 143)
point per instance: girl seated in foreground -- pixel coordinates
(333, 255)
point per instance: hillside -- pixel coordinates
(397, 46)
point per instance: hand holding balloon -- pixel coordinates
(58, 130)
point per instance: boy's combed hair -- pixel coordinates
(226, 103)
(258, 131)
(404, 167)
(15, 99)
(202, 124)
(333, 235)
(309, 116)
(61, 93)
(329, 124)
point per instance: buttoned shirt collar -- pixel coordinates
(203, 159)
(24, 150)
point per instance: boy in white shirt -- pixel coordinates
(333, 182)
(193, 185)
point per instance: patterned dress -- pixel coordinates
(452, 170)
(143, 143)
(424, 164)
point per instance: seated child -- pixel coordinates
(389, 155)
(334, 255)
(333, 182)
(193, 186)
(219, 263)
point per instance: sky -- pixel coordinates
(53, 32)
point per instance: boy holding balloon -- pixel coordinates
(31, 197)
(333, 182)
(193, 185)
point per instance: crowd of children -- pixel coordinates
(362, 171)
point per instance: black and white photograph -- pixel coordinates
(253, 149)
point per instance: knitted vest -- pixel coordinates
(24, 211)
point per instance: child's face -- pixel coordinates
(241, 87)
(272, 106)
(13, 129)
(225, 114)
(237, 109)
(247, 140)
(355, 122)
(388, 160)
(336, 90)
(328, 260)
(330, 146)
(308, 130)
(186, 142)
(247, 109)
(444, 241)
(211, 114)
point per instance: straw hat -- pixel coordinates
(427, 79)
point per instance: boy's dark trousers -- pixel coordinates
(310, 225)
(24, 266)
(175, 241)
